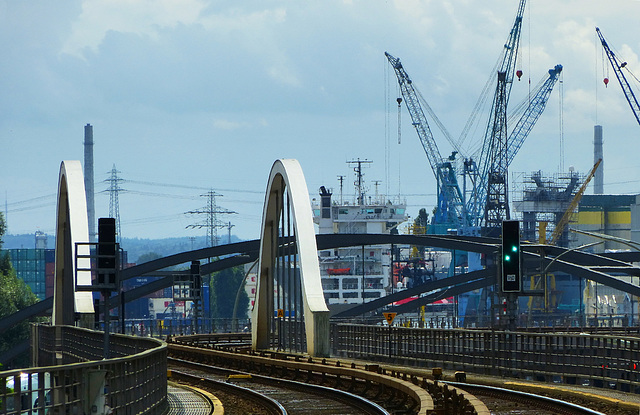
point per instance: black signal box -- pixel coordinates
(107, 252)
(511, 269)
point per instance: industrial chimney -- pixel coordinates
(88, 181)
(598, 178)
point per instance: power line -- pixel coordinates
(181, 186)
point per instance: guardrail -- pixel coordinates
(71, 375)
(589, 359)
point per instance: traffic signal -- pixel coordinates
(107, 251)
(510, 256)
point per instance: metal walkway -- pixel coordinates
(183, 401)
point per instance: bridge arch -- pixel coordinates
(287, 244)
(72, 226)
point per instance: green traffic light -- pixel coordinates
(514, 248)
(507, 258)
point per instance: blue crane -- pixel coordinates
(617, 68)
(489, 203)
(524, 125)
(528, 119)
(450, 199)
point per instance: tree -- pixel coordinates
(149, 256)
(3, 229)
(224, 287)
(422, 220)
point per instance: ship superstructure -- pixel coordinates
(357, 274)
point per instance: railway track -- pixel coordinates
(275, 396)
(396, 390)
(398, 393)
(506, 401)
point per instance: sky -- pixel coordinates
(191, 96)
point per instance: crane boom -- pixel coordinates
(494, 207)
(557, 232)
(617, 68)
(450, 198)
(525, 124)
(528, 119)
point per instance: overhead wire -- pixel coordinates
(191, 187)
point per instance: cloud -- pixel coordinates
(140, 17)
(225, 124)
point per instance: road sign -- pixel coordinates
(280, 313)
(389, 317)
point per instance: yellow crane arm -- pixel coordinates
(572, 206)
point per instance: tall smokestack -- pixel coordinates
(598, 178)
(88, 181)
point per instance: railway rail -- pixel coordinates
(526, 403)
(277, 396)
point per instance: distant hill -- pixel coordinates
(135, 247)
(23, 241)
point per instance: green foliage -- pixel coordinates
(5, 263)
(422, 219)
(14, 295)
(149, 256)
(3, 229)
(224, 287)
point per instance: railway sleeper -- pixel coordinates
(379, 392)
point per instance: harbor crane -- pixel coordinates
(624, 84)
(535, 109)
(488, 199)
(524, 125)
(489, 203)
(450, 198)
(451, 210)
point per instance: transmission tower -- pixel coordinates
(114, 208)
(211, 211)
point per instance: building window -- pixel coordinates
(350, 284)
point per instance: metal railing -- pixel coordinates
(71, 376)
(178, 326)
(610, 361)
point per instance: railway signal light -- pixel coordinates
(511, 256)
(107, 250)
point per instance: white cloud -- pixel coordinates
(141, 17)
(228, 125)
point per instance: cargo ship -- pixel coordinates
(356, 274)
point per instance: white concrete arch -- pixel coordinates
(286, 176)
(71, 227)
